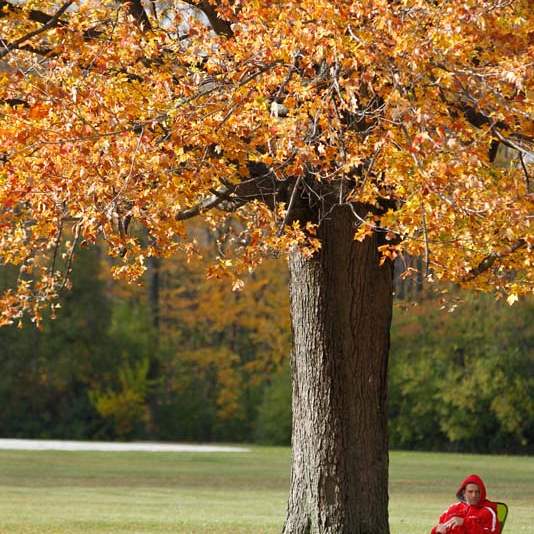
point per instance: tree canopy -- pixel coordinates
(117, 115)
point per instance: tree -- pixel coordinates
(46, 388)
(463, 380)
(232, 341)
(341, 133)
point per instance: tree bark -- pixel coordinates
(341, 307)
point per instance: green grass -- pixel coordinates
(111, 493)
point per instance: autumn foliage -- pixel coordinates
(113, 116)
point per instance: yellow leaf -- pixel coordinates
(512, 298)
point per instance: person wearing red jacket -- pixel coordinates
(474, 514)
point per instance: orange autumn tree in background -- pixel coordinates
(341, 133)
(195, 356)
(235, 341)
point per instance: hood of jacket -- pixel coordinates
(472, 479)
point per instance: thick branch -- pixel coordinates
(53, 21)
(212, 201)
(33, 15)
(219, 25)
(261, 186)
(510, 143)
(138, 12)
(14, 102)
(488, 262)
(479, 119)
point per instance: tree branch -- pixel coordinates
(138, 12)
(289, 207)
(212, 201)
(510, 143)
(53, 21)
(33, 15)
(218, 25)
(262, 186)
(525, 171)
(490, 259)
(14, 102)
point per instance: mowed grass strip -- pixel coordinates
(48, 492)
(44, 492)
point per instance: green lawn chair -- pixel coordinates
(502, 513)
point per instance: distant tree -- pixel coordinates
(342, 133)
(273, 424)
(463, 380)
(225, 345)
(48, 371)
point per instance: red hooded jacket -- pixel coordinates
(478, 519)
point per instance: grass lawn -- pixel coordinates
(43, 492)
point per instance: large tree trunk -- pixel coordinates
(341, 306)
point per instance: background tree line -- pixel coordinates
(187, 359)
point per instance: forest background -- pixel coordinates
(184, 358)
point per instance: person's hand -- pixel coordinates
(454, 522)
(451, 523)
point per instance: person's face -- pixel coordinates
(472, 494)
